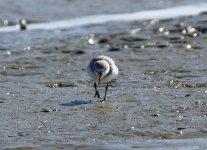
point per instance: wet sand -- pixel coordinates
(157, 101)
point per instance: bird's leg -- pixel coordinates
(106, 89)
(96, 91)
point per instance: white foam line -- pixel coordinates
(100, 19)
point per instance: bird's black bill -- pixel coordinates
(99, 77)
(99, 80)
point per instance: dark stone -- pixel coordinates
(103, 41)
(114, 49)
(180, 128)
(188, 95)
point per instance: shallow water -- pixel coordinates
(157, 101)
(52, 10)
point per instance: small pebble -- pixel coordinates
(22, 134)
(188, 95)
(188, 46)
(91, 41)
(56, 109)
(46, 110)
(155, 115)
(49, 110)
(113, 49)
(8, 52)
(197, 102)
(161, 29)
(27, 48)
(180, 128)
(79, 52)
(103, 40)
(62, 84)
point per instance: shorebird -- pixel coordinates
(102, 69)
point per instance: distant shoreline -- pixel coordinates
(166, 13)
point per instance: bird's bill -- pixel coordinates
(99, 79)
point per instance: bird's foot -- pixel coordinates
(97, 94)
(103, 101)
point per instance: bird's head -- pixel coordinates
(101, 68)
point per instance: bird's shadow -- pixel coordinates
(77, 103)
